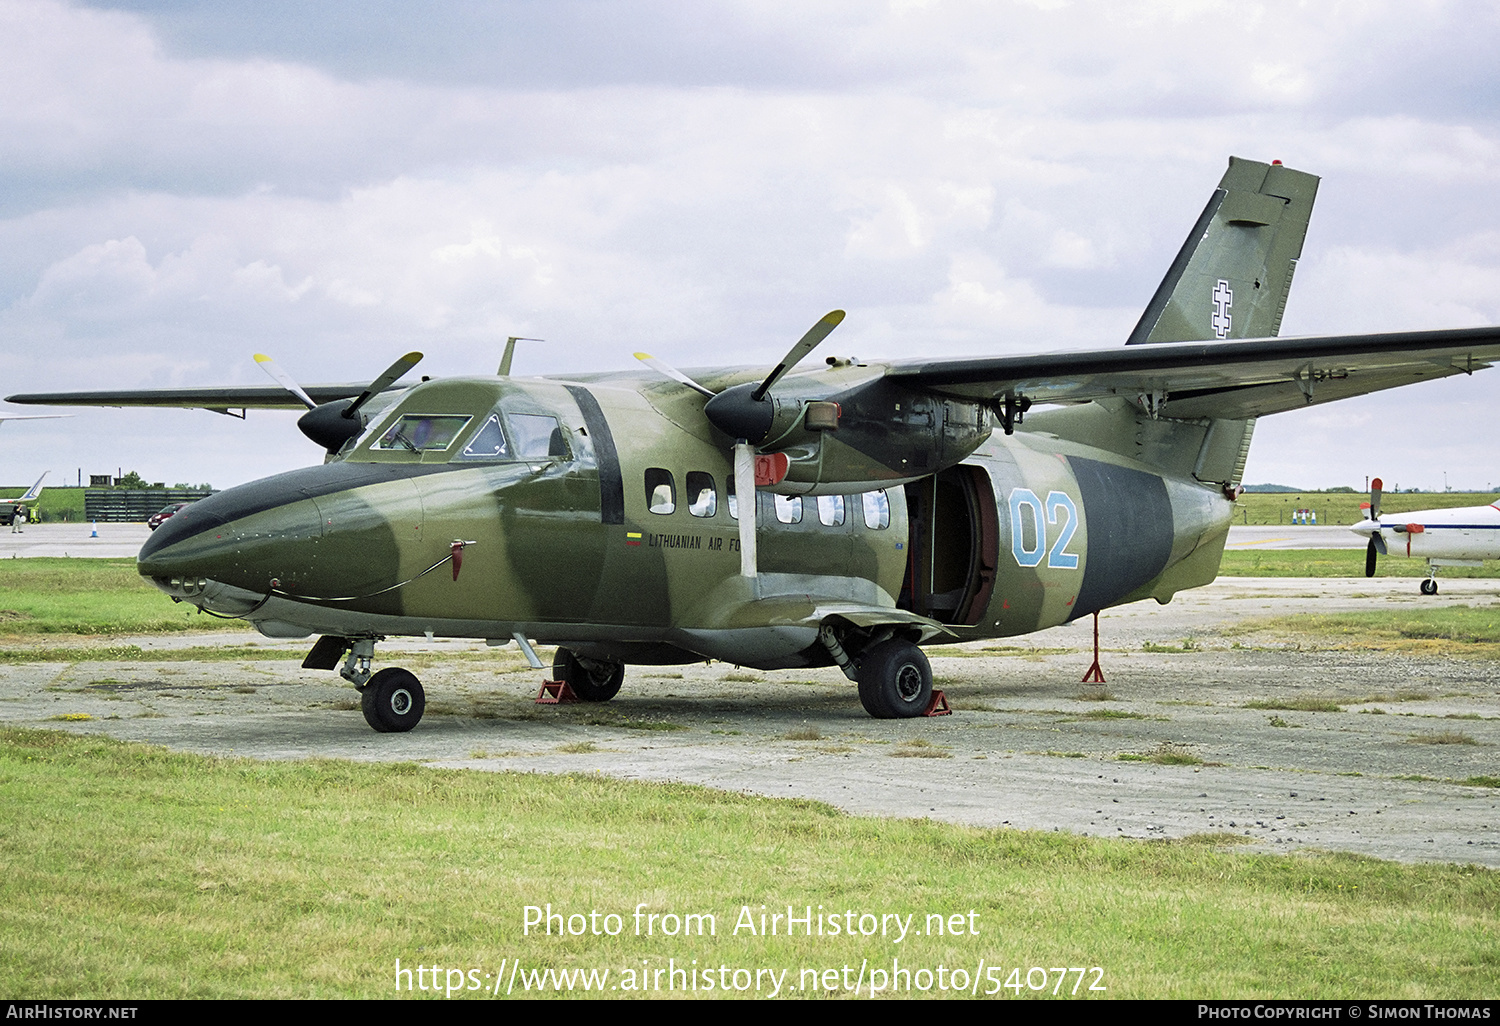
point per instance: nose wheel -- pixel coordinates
(393, 700)
(1429, 586)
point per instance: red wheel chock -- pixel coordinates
(938, 706)
(555, 692)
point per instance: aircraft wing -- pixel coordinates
(1223, 380)
(220, 400)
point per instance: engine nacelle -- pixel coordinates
(874, 435)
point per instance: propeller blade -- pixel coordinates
(1375, 489)
(667, 370)
(744, 489)
(1379, 540)
(816, 334)
(1370, 557)
(284, 379)
(392, 374)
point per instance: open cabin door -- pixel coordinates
(951, 562)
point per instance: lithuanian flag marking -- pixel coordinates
(632, 537)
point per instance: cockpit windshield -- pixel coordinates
(423, 432)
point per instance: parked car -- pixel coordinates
(165, 514)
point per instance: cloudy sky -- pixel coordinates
(186, 182)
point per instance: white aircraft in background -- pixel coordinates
(12, 508)
(1460, 536)
(32, 416)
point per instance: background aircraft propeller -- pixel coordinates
(1377, 539)
(744, 413)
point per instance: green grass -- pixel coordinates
(132, 872)
(1304, 704)
(1270, 508)
(90, 596)
(1334, 563)
(1454, 629)
(1165, 754)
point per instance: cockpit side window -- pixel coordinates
(536, 437)
(488, 444)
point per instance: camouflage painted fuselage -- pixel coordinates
(619, 542)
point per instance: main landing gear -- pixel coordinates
(895, 680)
(591, 680)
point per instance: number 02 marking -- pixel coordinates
(1024, 506)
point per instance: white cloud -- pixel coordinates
(963, 177)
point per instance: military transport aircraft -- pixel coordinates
(1460, 536)
(843, 514)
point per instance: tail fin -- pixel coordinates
(1232, 275)
(35, 491)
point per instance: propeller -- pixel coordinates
(1371, 525)
(334, 423)
(284, 379)
(745, 413)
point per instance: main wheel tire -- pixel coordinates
(589, 685)
(1429, 587)
(393, 700)
(895, 681)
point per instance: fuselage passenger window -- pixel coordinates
(789, 509)
(703, 500)
(536, 437)
(661, 490)
(830, 510)
(877, 510)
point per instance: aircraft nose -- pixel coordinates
(250, 537)
(1366, 528)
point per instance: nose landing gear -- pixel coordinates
(393, 700)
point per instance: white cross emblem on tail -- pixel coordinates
(1221, 321)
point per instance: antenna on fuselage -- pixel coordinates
(510, 352)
